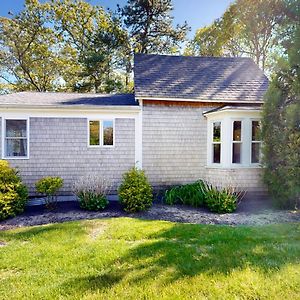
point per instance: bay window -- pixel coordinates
(234, 139)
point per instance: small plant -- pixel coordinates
(188, 194)
(135, 192)
(13, 193)
(222, 199)
(91, 192)
(49, 186)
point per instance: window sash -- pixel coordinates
(8, 148)
(216, 151)
(237, 139)
(101, 133)
(255, 142)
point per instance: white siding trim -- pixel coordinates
(139, 138)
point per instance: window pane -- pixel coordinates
(237, 126)
(236, 153)
(15, 147)
(255, 152)
(255, 131)
(216, 153)
(94, 133)
(16, 128)
(108, 133)
(217, 132)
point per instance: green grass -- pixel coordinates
(133, 259)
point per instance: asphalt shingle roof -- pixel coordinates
(199, 78)
(67, 99)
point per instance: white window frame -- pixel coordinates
(212, 143)
(101, 137)
(255, 142)
(4, 138)
(241, 142)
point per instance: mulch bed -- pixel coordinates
(252, 214)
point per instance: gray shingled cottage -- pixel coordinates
(189, 118)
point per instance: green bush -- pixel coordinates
(188, 194)
(91, 192)
(135, 192)
(13, 193)
(49, 186)
(220, 200)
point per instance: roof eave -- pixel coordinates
(199, 100)
(73, 107)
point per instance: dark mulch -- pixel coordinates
(248, 213)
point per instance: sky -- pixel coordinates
(197, 13)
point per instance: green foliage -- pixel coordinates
(150, 26)
(201, 194)
(135, 192)
(13, 194)
(91, 192)
(251, 27)
(220, 200)
(188, 194)
(49, 186)
(92, 201)
(281, 131)
(32, 56)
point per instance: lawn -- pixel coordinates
(134, 259)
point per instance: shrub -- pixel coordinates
(221, 199)
(188, 194)
(91, 192)
(13, 193)
(49, 186)
(135, 192)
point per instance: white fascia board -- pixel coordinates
(198, 100)
(71, 112)
(233, 113)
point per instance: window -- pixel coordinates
(108, 133)
(255, 142)
(236, 142)
(101, 133)
(216, 157)
(15, 138)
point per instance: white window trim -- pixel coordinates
(3, 126)
(212, 143)
(258, 142)
(241, 142)
(227, 119)
(101, 120)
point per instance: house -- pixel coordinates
(189, 118)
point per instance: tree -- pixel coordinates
(30, 54)
(281, 125)
(248, 27)
(98, 41)
(218, 39)
(150, 26)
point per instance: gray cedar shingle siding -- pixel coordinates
(199, 78)
(174, 144)
(58, 147)
(175, 150)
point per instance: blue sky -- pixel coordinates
(197, 13)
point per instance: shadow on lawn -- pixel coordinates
(186, 250)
